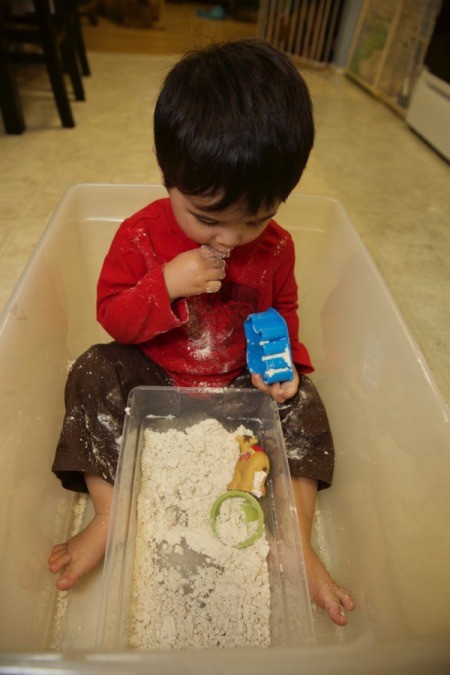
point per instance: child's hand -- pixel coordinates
(194, 272)
(280, 391)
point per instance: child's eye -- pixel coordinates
(206, 221)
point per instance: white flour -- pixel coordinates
(189, 588)
(231, 523)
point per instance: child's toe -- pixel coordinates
(64, 583)
(346, 601)
(344, 598)
(57, 562)
(337, 615)
(68, 578)
(57, 550)
(336, 601)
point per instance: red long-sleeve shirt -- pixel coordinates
(200, 340)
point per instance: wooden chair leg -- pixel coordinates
(9, 95)
(53, 62)
(9, 100)
(71, 66)
(79, 44)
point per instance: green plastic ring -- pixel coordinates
(253, 511)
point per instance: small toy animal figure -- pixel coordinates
(252, 460)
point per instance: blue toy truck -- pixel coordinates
(268, 347)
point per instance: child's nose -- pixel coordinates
(229, 238)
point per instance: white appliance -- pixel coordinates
(429, 110)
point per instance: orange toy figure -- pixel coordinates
(252, 467)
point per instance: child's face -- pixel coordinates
(222, 230)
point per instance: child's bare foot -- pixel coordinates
(80, 554)
(324, 590)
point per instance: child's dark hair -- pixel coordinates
(234, 120)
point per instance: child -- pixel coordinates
(233, 131)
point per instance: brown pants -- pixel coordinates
(96, 396)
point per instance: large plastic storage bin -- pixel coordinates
(383, 528)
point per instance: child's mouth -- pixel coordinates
(225, 253)
(216, 252)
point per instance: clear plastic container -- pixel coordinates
(165, 408)
(382, 528)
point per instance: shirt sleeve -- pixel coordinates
(133, 304)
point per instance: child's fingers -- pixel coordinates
(289, 388)
(217, 270)
(213, 286)
(258, 382)
(192, 273)
(273, 390)
(214, 275)
(213, 264)
(280, 391)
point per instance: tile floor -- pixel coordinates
(395, 188)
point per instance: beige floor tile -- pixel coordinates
(5, 233)
(436, 348)
(43, 204)
(411, 261)
(9, 276)
(22, 243)
(428, 304)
